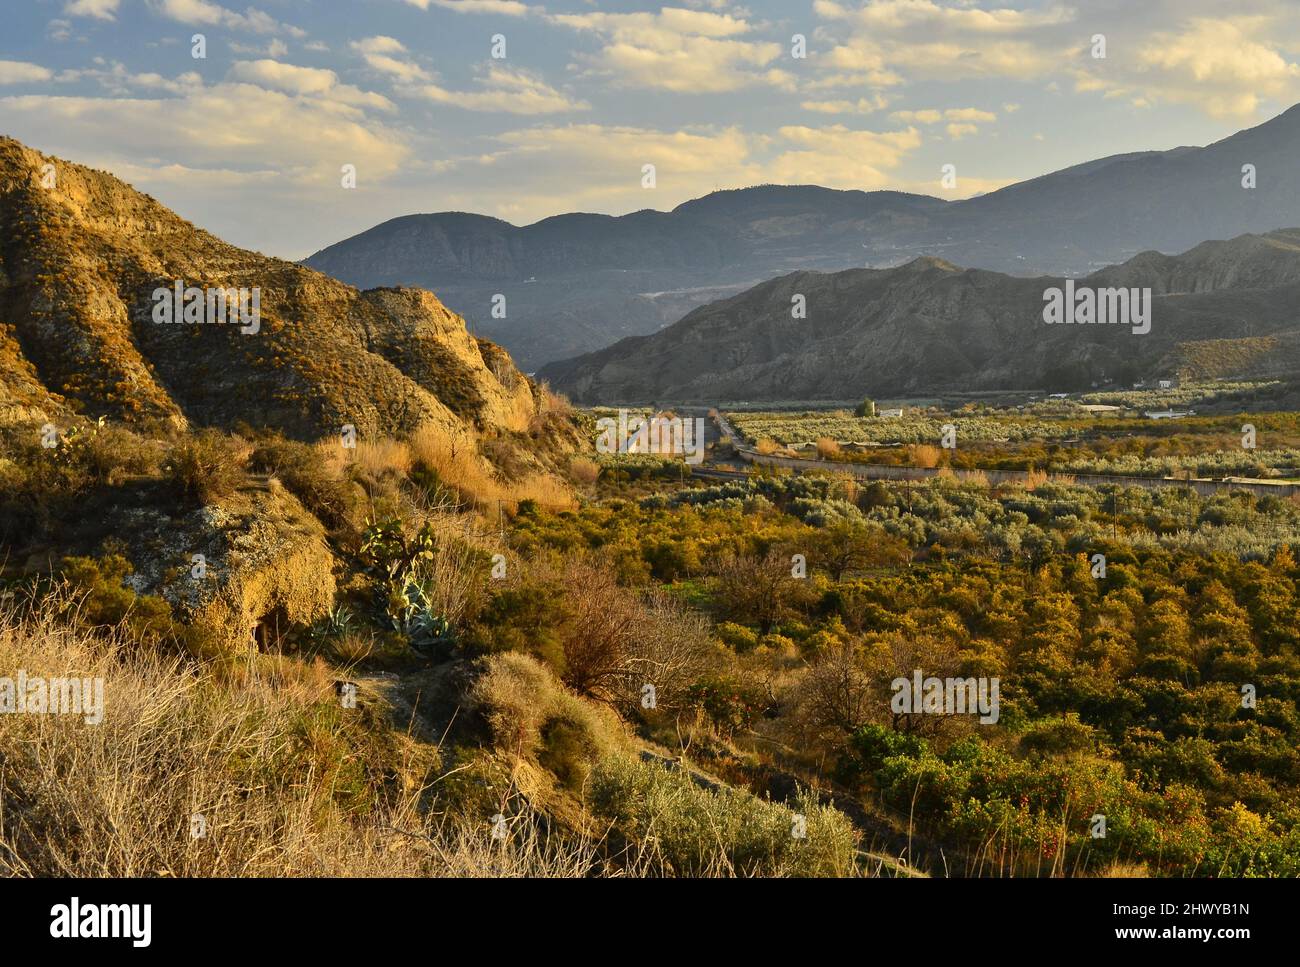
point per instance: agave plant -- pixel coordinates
(337, 624)
(429, 633)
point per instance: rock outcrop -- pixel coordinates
(81, 257)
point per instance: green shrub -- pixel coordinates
(695, 831)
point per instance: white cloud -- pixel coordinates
(378, 54)
(231, 125)
(284, 77)
(839, 156)
(685, 51)
(934, 116)
(919, 39)
(201, 13)
(505, 90)
(100, 9)
(305, 81)
(931, 17)
(1226, 67)
(117, 79)
(511, 8)
(21, 72)
(863, 105)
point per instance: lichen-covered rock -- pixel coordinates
(247, 570)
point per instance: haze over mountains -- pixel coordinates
(929, 327)
(576, 283)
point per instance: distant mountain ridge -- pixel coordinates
(930, 326)
(574, 283)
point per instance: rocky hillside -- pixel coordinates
(81, 254)
(930, 326)
(576, 283)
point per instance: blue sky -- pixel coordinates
(249, 141)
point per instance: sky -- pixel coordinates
(523, 110)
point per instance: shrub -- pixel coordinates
(696, 831)
(584, 471)
(101, 600)
(310, 473)
(529, 714)
(208, 466)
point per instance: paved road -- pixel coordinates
(872, 472)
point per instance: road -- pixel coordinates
(749, 455)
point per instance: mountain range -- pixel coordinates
(929, 326)
(576, 283)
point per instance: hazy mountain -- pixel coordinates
(929, 326)
(574, 283)
(577, 282)
(81, 259)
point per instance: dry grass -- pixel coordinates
(1035, 479)
(459, 465)
(377, 459)
(288, 783)
(925, 455)
(519, 697)
(549, 401)
(584, 470)
(767, 446)
(827, 448)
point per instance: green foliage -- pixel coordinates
(731, 705)
(692, 829)
(102, 599)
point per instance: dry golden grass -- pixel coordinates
(381, 458)
(925, 455)
(287, 783)
(459, 465)
(944, 478)
(1035, 479)
(584, 470)
(767, 446)
(518, 696)
(827, 448)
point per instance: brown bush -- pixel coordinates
(925, 455)
(584, 470)
(827, 449)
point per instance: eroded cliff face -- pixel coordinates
(81, 256)
(84, 334)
